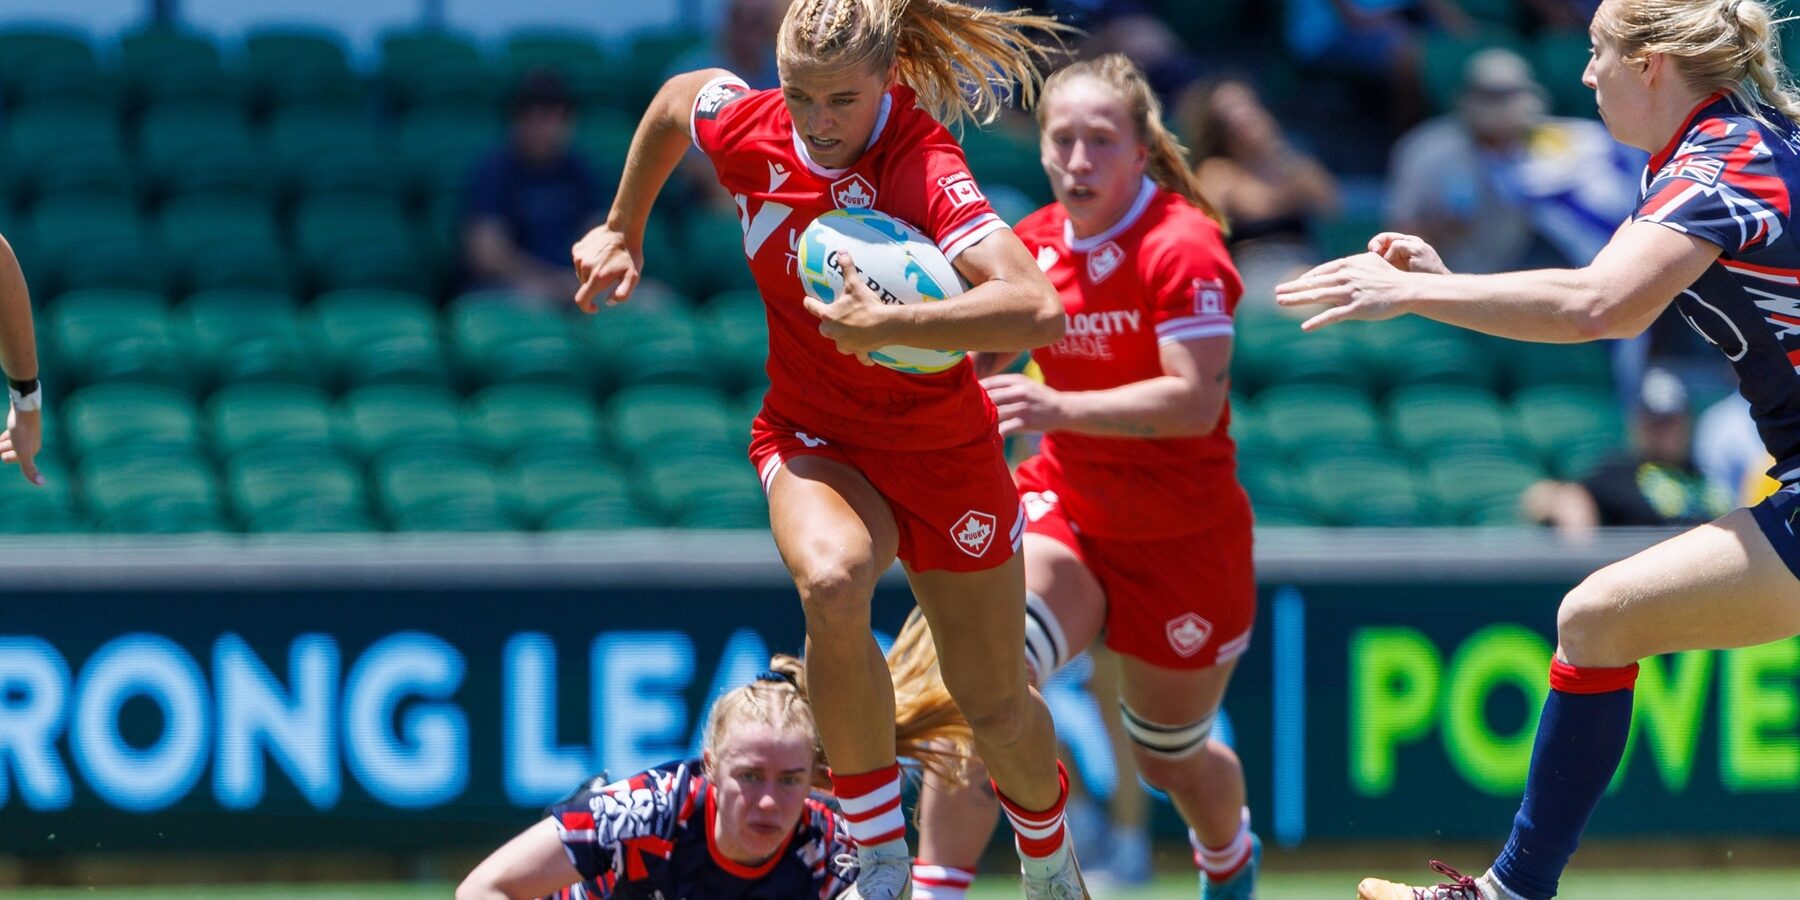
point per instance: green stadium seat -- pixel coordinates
(424, 68)
(653, 339)
(360, 242)
(1568, 427)
(375, 337)
(380, 419)
(1300, 417)
(1561, 59)
(45, 132)
(544, 486)
(319, 148)
(101, 336)
(601, 514)
(198, 230)
(604, 137)
(737, 333)
(130, 491)
(647, 62)
(576, 58)
(94, 241)
(262, 484)
(666, 421)
(1007, 155)
(97, 171)
(1470, 488)
(28, 509)
(189, 148)
(442, 145)
(1258, 343)
(500, 339)
(109, 416)
(284, 66)
(1414, 350)
(1444, 56)
(410, 484)
(735, 510)
(1277, 515)
(163, 65)
(39, 64)
(1429, 420)
(251, 336)
(312, 517)
(247, 416)
(1346, 233)
(1268, 481)
(1577, 365)
(682, 488)
(713, 235)
(1363, 488)
(509, 418)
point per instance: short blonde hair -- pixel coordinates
(962, 60)
(1718, 45)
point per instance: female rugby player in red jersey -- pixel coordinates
(862, 464)
(1138, 528)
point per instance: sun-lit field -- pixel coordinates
(1748, 885)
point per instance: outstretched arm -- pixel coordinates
(1618, 295)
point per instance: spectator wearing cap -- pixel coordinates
(1654, 483)
(1498, 184)
(531, 199)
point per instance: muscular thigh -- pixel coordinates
(825, 514)
(1717, 586)
(1055, 572)
(1172, 696)
(977, 620)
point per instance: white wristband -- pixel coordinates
(31, 402)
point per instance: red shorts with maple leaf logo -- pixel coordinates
(1186, 602)
(956, 509)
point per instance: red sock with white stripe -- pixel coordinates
(1224, 862)
(871, 805)
(1040, 835)
(940, 882)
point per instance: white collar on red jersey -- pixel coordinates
(887, 106)
(1146, 192)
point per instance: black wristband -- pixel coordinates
(25, 386)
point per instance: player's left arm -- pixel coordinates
(1009, 307)
(1184, 401)
(532, 864)
(24, 434)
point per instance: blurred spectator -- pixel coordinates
(1374, 39)
(530, 200)
(744, 44)
(1562, 15)
(1268, 190)
(1730, 453)
(1654, 483)
(1498, 184)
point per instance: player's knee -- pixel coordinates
(835, 594)
(998, 718)
(473, 889)
(1184, 776)
(1588, 621)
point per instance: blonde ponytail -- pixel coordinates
(963, 61)
(1168, 164)
(928, 728)
(1718, 45)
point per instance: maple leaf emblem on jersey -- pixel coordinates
(854, 192)
(974, 532)
(1104, 260)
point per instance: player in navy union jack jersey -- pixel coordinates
(1697, 84)
(740, 823)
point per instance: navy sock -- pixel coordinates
(1580, 740)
